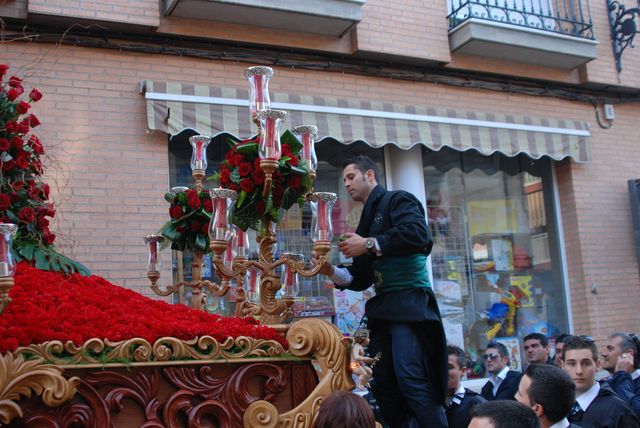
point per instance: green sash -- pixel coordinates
(399, 272)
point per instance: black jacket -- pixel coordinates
(459, 414)
(397, 220)
(507, 389)
(607, 410)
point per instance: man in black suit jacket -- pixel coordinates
(460, 400)
(597, 406)
(503, 382)
(550, 392)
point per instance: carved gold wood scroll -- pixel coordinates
(308, 338)
(22, 378)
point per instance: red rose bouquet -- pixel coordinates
(190, 213)
(240, 171)
(24, 198)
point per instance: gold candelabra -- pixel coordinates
(224, 237)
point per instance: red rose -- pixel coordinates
(23, 127)
(258, 177)
(11, 127)
(295, 182)
(175, 211)
(49, 210)
(35, 95)
(260, 207)
(43, 223)
(8, 165)
(17, 185)
(23, 107)
(3, 69)
(205, 229)
(36, 165)
(245, 169)
(15, 82)
(5, 201)
(4, 144)
(256, 163)
(229, 156)
(293, 161)
(13, 94)
(225, 176)
(36, 145)
(234, 187)
(22, 162)
(247, 185)
(27, 215)
(45, 190)
(49, 237)
(208, 205)
(33, 192)
(33, 121)
(17, 142)
(238, 159)
(286, 151)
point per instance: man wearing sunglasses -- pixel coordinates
(503, 382)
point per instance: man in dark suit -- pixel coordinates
(596, 406)
(460, 400)
(550, 392)
(389, 250)
(621, 358)
(536, 349)
(503, 382)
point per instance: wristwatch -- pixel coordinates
(370, 245)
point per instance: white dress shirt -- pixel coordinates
(586, 398)
(496, 381)
(561, 424)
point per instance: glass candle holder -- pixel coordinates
(270, 124)
(321, 209)
(307, 135)
(7, 261)
(241, 243)
(224, 201)
(252, 285)
(177, 189)
(199, 144)
(290, 276)
(153, 242)
(230, 253)
(258, 78)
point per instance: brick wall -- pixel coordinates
(111, 172)
(134, 12)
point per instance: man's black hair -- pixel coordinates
(506, 414)
(363, 164)
(537, 336)
(561, 337)
(553, 389)
(500, 347)
(461, 356)
(579, 342)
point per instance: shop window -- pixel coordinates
(496, 265)
(316, 297)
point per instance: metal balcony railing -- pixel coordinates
(567, 17)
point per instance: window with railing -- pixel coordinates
(567, 17)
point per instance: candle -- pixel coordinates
(258, 82)
(3, 248)
(220, 207)
(270, 138)
(228, 255)
(199, 145)
(306, 147)
(199, 164)
(153, 253)
(322, 220)
(4, 269)
(253, 280)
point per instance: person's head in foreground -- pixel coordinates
(344, 409)
(503, 414)
(549, 391)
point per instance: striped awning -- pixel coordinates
(173, 107)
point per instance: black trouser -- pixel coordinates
(401, 384)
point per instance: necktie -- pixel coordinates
(576, 412)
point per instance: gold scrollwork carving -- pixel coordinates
(20, 378)
(308, 338)
(164, 349)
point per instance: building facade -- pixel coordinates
(491, 113)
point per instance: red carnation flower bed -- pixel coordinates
(51, 306)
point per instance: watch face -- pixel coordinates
(369, 243)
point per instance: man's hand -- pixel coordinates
(352, 245)
(625, 363)
(326, 268)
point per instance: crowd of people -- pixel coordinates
(417, 378)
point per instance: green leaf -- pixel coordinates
(241, 198)
(289, 198)
(182, 198)
(250, 148)
(289, 139)
(41, 260)
(169, 197)
(54, 262)
(27, 251)
(201, 242)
